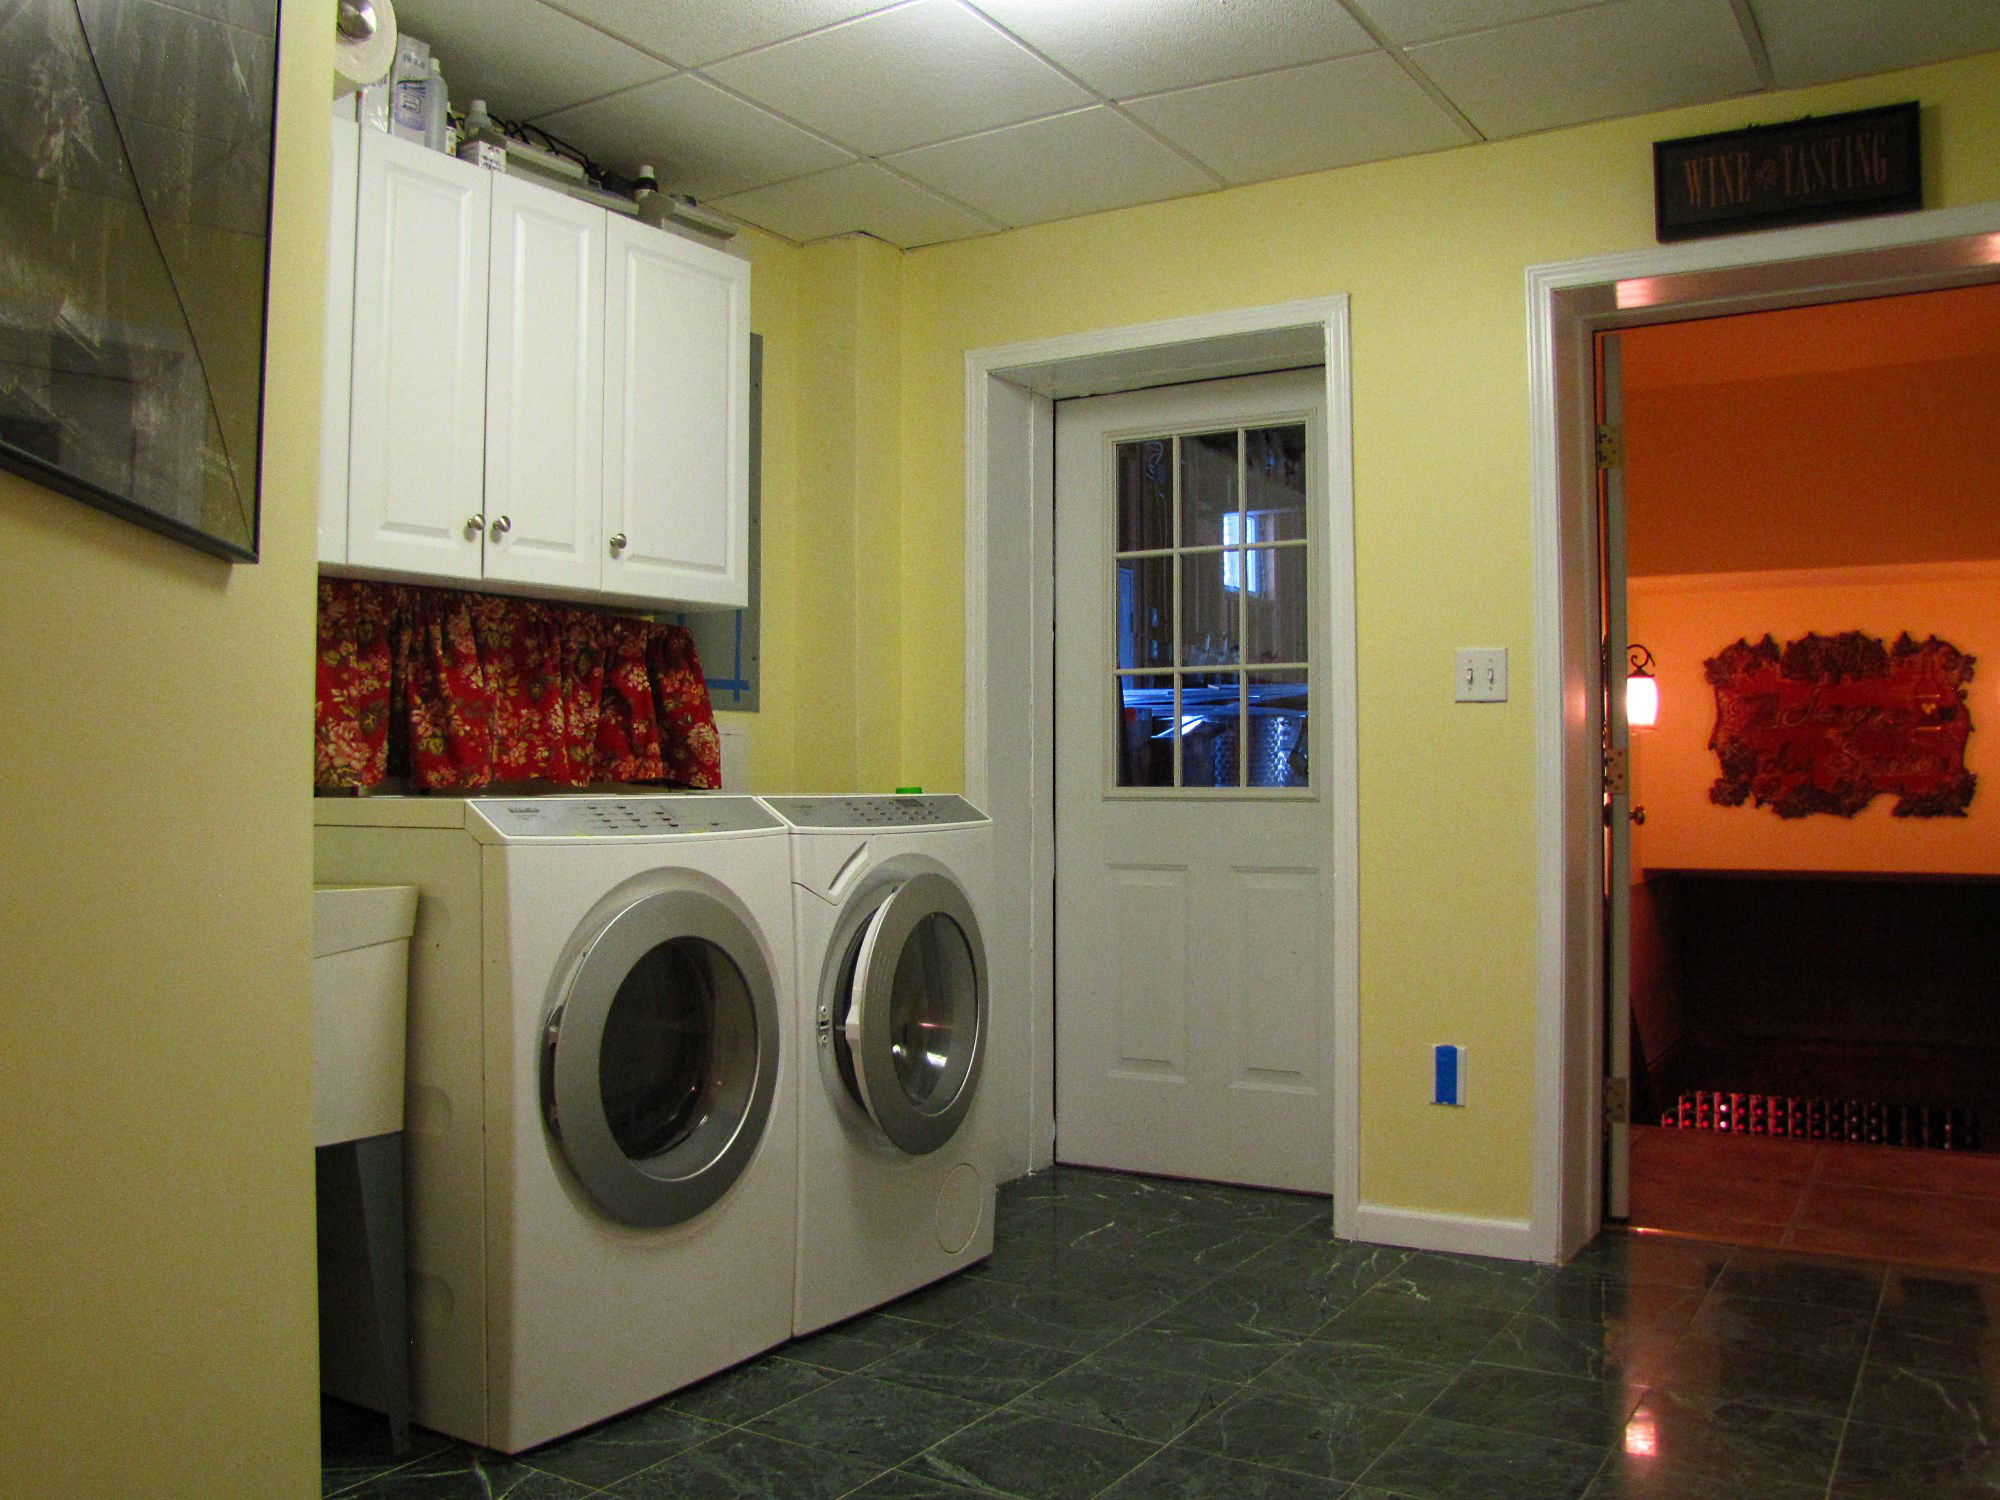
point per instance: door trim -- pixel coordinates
(1010, 392)
(1568, 303)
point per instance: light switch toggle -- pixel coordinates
(1480, 674)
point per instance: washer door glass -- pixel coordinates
(915, 1018)
(660, 1064)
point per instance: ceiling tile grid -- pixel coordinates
(929, 120)
(1296, 120)
(1081, 163)
(1629, 57)
(863, 197)
(920, 73)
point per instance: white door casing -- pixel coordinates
(416, 454)
(1194, 1009)
(1567, 304)
(1010, 393)
(544, 388)
(338, 366)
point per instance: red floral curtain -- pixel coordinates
(453, 691)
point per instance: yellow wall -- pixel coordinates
(1684, 621)
(156, 1227)
(1432, 251)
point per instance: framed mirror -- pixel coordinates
(135, 208)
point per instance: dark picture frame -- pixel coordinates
(1808, 171)
(135, 221)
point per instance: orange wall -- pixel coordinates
(1823, 437)
(1686, 620)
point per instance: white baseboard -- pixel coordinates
(1457, 1234)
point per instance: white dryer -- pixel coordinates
(895, 1149)
(601, 1139)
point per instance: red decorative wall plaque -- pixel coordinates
(1833, 721)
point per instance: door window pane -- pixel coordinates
(1145, 730)
(1275, 483)
(1211, 719)
(1208, 488)
(1145, 495)
(1274, 604)
(1208, 610)
(1277, 739)
(1146, 612)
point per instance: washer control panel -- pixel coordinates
(937, 810)
(570, 818)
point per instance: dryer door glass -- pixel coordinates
(660, 1064)
(916, 1013)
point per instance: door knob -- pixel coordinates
(500, 527)
(618, 542)
(473, 526)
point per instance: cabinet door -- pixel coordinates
(339, 359)
(677, 419)
(418, 424)
(545, 388)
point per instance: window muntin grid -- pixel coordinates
(1212, 615)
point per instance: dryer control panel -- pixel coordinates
(850, 814)
(572, 818)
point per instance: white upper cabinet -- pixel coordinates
(542, 396)
(677, 419)
(339, 368)
(416, 454)
(545, 389)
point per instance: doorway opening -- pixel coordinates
(1812, 901)
(1569, 305)
(1009, 696)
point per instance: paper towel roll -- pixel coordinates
(358, 64)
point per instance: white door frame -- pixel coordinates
(1010, 392)
(1567, 305)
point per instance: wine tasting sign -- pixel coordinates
(1805, 172)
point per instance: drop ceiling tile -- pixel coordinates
(925, 72)
(1080, 163)
(1404, 21)
(1328, 114)
(521, 57)
(1128, 47)
(1816, 41)
(860, 197)
(1628, 57)
(699, 138)
(695, 32)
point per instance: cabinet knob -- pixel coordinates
(618, 542)
(500, 527)
(473, 526)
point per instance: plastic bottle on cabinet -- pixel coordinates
(437, 110)
(483, 144)
(648, 200)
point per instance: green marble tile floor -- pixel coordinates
(1136, 1337)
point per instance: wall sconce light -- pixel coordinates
(1642, 689)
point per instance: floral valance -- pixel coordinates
(455, 691)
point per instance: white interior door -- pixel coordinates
(1194, 843)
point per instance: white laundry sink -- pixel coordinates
(361, 967)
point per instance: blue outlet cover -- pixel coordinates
(1446, 1089)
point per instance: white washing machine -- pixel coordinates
(601, 1139)
(895, 1155)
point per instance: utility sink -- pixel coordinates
(361, 967)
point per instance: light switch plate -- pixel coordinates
(1480, 674)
